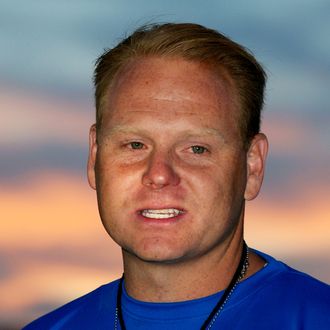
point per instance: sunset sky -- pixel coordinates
(53, 247)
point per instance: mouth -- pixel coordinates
(161, 213)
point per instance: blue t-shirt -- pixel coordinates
(276, 297)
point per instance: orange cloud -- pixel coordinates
(56, 248)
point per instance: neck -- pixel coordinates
(186, 280)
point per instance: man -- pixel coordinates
(174, 154)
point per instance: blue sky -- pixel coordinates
(52, 45)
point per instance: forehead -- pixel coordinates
(169, 88)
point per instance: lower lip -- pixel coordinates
(161, 221)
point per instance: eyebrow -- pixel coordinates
(124, 129)
(202, 132)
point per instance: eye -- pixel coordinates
(136, 145)
(198, 149)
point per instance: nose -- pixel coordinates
(160, 172)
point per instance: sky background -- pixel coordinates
(52, 245)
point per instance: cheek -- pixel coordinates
(205, 190)
(118, 185)
(220, 186)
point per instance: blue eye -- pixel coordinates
(198, 149)
(136, 145)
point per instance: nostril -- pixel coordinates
(159, 180)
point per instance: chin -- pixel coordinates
(156, 254)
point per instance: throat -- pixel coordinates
(152, 282)
(238, 275)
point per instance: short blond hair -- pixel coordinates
(192, 42)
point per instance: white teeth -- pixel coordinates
(161, 214)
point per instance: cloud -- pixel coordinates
(298, 156)
(20, 162)
(33, 118)
(52, 234)
(40, 132)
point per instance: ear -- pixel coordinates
(92, 156)
(256, 160)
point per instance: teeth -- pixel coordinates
(161, 214)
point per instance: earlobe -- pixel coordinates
(92, 156)
(256, 160)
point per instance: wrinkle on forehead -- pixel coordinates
(177, 107)
(171, 85)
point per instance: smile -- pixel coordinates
(161, 214)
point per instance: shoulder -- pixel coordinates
(81, 311)
(280, 297)
(278, 274)
(296, 292)
(281, 274)
(298, 285)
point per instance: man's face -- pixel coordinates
(170, 169)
